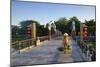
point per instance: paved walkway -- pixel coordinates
(77, 54)
(47, 53)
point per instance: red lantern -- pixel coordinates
(85, 35)
(85, 32)
(28, 28)
(29, 31)
(85, 28)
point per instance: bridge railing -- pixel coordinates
(88, 47)
(27, 43)
(23, 44)
(43, 38)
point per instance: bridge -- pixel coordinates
(48, 53)
(45, 50)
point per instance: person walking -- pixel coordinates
(65, 42)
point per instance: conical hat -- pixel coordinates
(65, 34)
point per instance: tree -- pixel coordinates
(77, 25)
(28, 22)
(42, 31)
(15, 33)
(61, 24)
(91, 26)
(24, 25)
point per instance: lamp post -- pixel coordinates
(85, 32)
(49, 28)
(31, 31)
(73, 30)
(54, 28)
(51, 25)
(73, 25)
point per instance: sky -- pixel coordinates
(46, 12)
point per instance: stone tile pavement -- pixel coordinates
(47, 53)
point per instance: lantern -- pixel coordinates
(85, 33)
(29, 31)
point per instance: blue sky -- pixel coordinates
(45, 12)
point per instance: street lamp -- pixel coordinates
(73, 30)
(51, 25)
(49, 28)
(54, 28)
(85, 32)
(73, 25)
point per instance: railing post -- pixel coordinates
(19, 44)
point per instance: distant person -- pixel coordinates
(65, 42)
(74, 35)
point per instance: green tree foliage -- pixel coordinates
(91, 26)
(42, 31)
(23, 25)
(20, 33)
(61, 24)
(77, 24)
(15, 33)
(65, 25)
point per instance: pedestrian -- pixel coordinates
(65, 42)
(73, 35)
